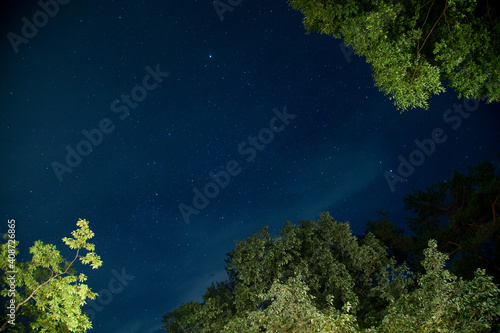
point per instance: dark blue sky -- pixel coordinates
(213, 108)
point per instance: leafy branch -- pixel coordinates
(54, 296)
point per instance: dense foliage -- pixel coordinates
(413, 46)
(318, 277)
(48, 293)
(462, 214)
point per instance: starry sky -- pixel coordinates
(177, 130)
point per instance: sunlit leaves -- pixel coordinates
(292, 309)
(318, 277)
(444, 303)
(414, 46)
(49, 294)
(314, 277)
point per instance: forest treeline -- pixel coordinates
(440, 276)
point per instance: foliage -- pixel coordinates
(463, 214)
(444, 303)
(318, 277)
(292, 309)
(413, 46)
(344, 276)
(49, 294)
(398, 244)
(331, 261)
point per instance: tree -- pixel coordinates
(344, 276)
(318, 277)
(414, 46)
(292, 309)
(463, 215)
(48, 293)
(398, 243)
(444, 303)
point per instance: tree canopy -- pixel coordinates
(462, 214)
(318, 277)
(417, 47)
(48, 293)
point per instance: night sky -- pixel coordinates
(288, 124)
